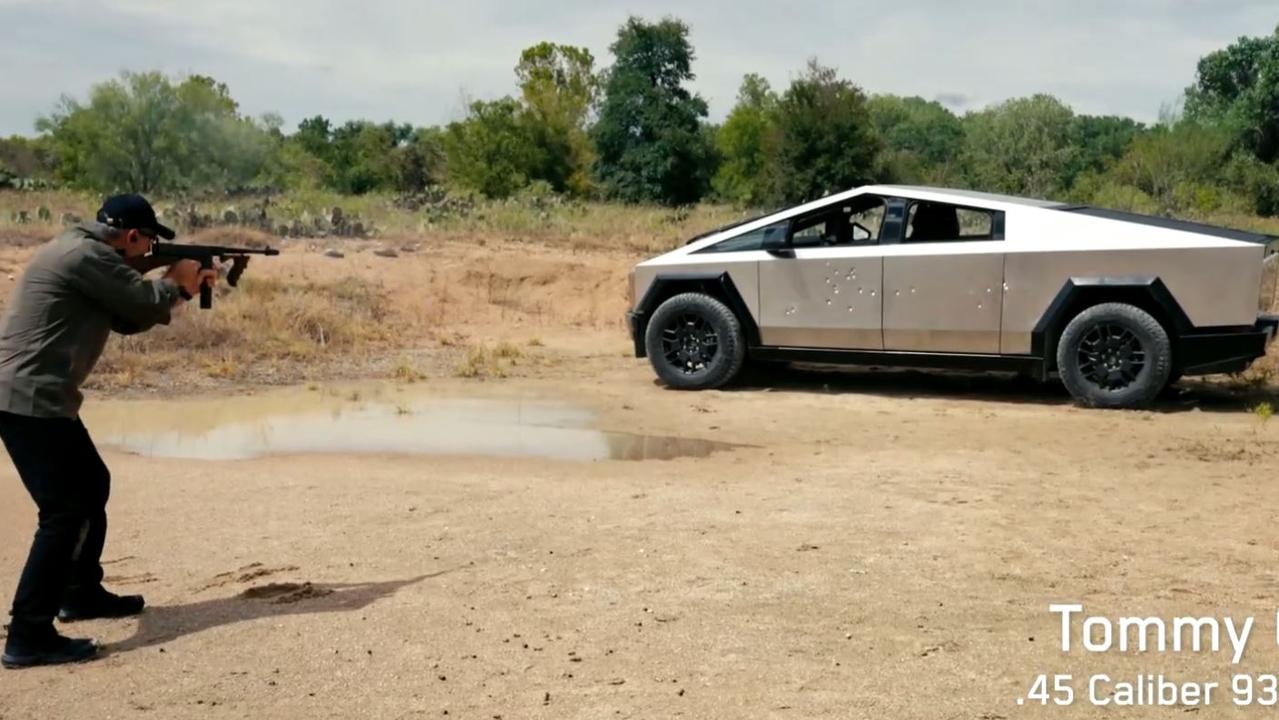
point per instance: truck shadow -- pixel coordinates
(1222, 396)
(1187, 395)
(165, 623)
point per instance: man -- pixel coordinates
(75, 291)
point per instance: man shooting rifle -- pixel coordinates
(76, 290)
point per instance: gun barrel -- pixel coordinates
(184, 250)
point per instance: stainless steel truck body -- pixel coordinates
(1116, 304)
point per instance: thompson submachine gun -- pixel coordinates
(168, 253)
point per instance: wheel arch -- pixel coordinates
(718, 284)
(1148, 293)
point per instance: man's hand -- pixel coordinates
(188, 275)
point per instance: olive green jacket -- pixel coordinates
(73, 293)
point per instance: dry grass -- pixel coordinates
(266, 330)
(1250, 451)
(405, 371)
(480, 363)
(483, 361)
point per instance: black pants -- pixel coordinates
(70, 484)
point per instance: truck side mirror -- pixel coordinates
(775, 243)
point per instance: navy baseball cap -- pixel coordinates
(132, 212)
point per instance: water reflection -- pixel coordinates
(219, 430)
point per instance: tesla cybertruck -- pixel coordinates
(1115, 304)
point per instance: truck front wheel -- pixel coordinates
(695, 342)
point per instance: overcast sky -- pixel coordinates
(415, 60)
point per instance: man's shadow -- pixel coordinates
(164, 623)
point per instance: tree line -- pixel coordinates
(635, 132)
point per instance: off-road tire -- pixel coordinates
(1114, 355)
(695, 342)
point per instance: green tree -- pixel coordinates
(1103, 190)
(558, 79)
(1255, 181)
(1239, 87)
(305, 158)
(1101, 140)
(421, 160)
(491, 151)
(360, 156)
(923, 141)
(315, 136)
(24, 157)
(1180, 167)
(365, 155)
(559, 88)
(145, 133)
(221, 149)
(649, 140)
(1022, 146)
(742, 142)
(825, 140)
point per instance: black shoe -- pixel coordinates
(101, 604)
(55, 650)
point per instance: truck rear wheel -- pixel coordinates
(695, 342)
(1114, 355)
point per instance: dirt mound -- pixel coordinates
(248, 573)
(282, 593)
(258, 572)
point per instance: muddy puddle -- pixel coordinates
(372, 421)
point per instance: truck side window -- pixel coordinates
(940, 222)
(852, 223)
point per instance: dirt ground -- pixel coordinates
(884, 545)
(887, 547)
